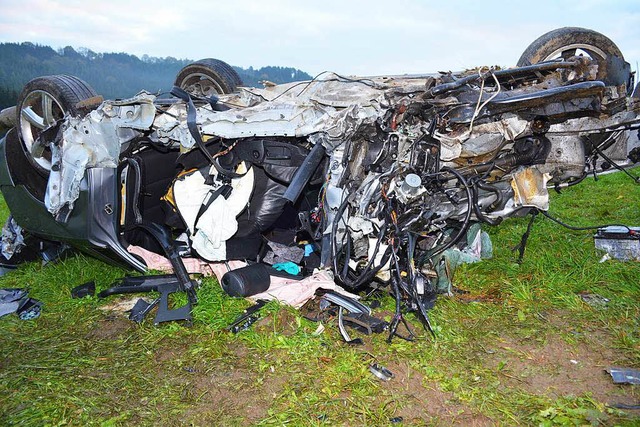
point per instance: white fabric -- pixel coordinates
(218, 223)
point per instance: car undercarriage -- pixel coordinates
(378, 179)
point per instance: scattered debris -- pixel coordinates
(84, 290)
(594, 300)
(141, 309)
(380, 372)
(622, 243)
(606, 257)
(14, 300)
(247, 318)
(10, 300)
(166, 284)
(624, 375)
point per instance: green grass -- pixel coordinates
(502, 354)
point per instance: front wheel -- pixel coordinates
(42, 102)
(573, 41)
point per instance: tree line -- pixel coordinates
(112, 75)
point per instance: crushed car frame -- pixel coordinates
(377, 178)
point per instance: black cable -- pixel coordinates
(476, 205)
(570, 227)
(520, 247)
(369, 271)
(558, 186)
(616, 166)
(398, 317)
(465, 221)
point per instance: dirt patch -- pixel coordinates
(110, 328)
(491, 295)
(229, 394)
(228, 390)
(424, 402)
(283, 322)
(551, 367)
(170, 352)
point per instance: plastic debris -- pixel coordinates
(17, 301)
(84, 290)
(29, 309)
(12, 239)
(624, 375)
(10, 300)
(289, 267)
(380, 372)
(594, 300)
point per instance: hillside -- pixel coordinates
(113, 75)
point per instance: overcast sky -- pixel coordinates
(356, 37)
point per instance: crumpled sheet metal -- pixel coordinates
(585, 125)
(12, 239)
(93, 141)
(172, 126)
(329, 90)
(289, 118)
(530, 188)
(328, 112)
(138, 112)
(276, 119)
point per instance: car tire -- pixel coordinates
(208, 77)
(569, 41)
(42, 102)
(566, 42)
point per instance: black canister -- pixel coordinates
(246, 281)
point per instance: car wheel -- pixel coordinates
(571, 41)
(208, 77)
(42, 102)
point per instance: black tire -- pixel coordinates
(565, 42)
(208, 77)
(42, 102)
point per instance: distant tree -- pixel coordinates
(113, 75)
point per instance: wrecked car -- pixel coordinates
(372, 179)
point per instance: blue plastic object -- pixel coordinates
(289, 267)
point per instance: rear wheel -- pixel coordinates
(42, 102)
(208, 77)
(573, 41)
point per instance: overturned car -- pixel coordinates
(372, 178)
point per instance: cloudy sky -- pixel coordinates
(356, 37)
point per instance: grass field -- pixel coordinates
(520, 348)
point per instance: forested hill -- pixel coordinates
(112, 75)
